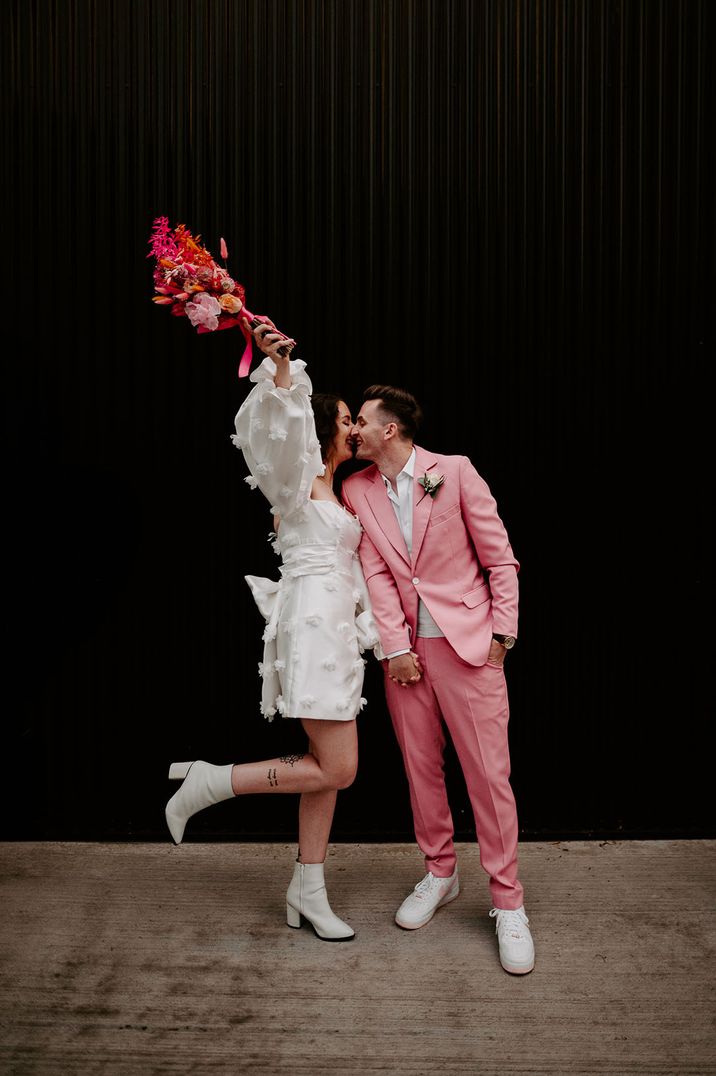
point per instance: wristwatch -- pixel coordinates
(508, 641)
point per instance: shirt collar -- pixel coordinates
(408, 470)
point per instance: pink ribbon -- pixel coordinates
(245, 364)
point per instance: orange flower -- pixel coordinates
(230, 304)
(162, 300)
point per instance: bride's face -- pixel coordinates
(342, 446)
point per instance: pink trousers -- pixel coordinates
(472, 701)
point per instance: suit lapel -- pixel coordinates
(422, 501)
(377, 497)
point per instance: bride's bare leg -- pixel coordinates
(330, 764)
(315, 818)
(315, 812)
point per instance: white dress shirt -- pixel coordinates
(402, 502)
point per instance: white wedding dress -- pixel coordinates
(318, 616)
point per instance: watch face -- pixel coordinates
(509, 642)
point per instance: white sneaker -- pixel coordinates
(428, 895)
(517, 950)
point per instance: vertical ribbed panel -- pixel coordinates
(505, 206)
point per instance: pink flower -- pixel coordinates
(203, 310)
(162, 240)
(223, 249)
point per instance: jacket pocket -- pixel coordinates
(435, 521)
(476, 597)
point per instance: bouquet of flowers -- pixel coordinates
(188, 279)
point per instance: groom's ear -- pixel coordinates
(390, 431)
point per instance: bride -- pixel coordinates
(318, 621)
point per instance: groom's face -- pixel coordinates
(369, 431)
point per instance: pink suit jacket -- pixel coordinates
(462, 565)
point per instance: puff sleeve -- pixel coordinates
(276, 432)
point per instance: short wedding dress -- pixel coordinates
(318, 615)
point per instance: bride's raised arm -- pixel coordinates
(276, 431)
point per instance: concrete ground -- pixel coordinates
(145, 958)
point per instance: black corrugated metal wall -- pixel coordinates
(506, 206)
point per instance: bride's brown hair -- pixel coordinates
(325, 412)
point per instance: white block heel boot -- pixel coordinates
(203, 784)
(307, 899)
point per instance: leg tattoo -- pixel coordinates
(291, 760)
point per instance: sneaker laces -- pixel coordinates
(426, 886)
(510, 922)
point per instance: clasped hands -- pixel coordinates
(405, 669)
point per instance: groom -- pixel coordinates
(443, 582)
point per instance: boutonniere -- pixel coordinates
(431, 483)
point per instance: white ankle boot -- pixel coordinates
(307, 898)
(203, 785)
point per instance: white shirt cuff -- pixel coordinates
(397, 654)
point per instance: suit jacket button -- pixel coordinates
(416, 581)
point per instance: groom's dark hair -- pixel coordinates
(399, 407)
